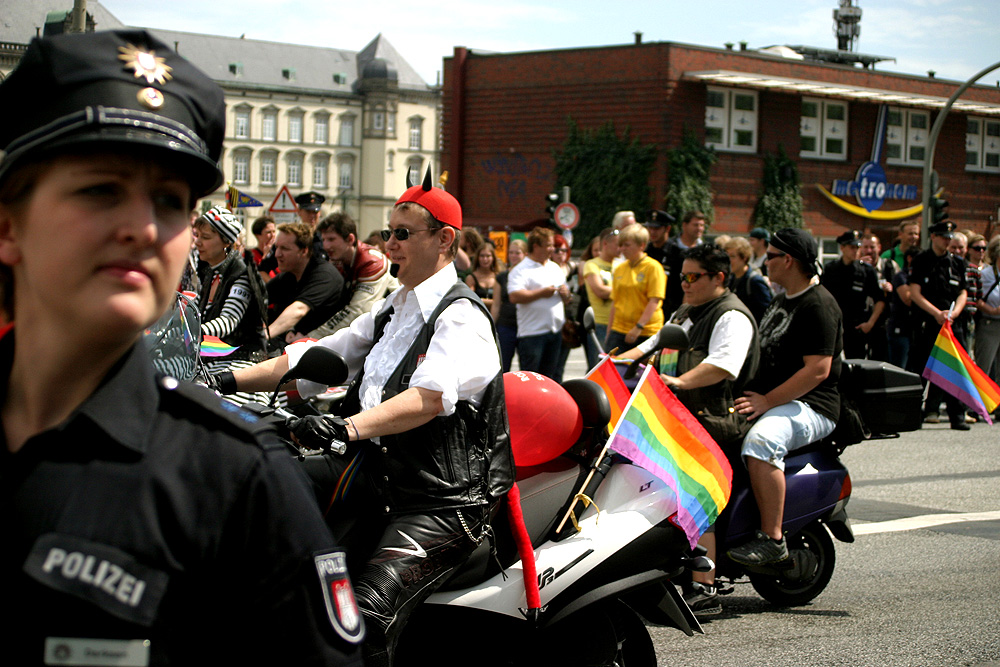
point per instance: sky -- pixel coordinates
(956, 38)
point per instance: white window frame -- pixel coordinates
(390, 157)
(982, 146)
(378, 120)
(269, 125)
(295, 127)
(824, 130)
(730, 126)
(906, 141)
(268, 168)
(413, 166)
(241, 126)
(241, 166)
(346, 137)
(416, 136)
(321, 129)
(345, 174)
(390, 123)
(294, 169)
(321, 171)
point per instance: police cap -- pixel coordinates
(853, 237)
(112, 87)
(656, 218)
(310, 201)
(945, 228)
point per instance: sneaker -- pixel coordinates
(760, 551)
(703, 600)
(960, 426)
(932, 418)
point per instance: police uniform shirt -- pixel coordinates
(855, 287)
(941, 278)
(153, 527)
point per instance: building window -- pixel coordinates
(823, 129)
(241, 167)
(731, 119)
(982, 144)
(345, 177)
(416, 133)
(390, 123)
(321, 166)
(295, 127)
(347, 131)
(268, 168)
(295, 170)
(322, 129)
(269, 125)
(242, 126)
(378, 120)
(906, 136)
(413, 170)
(390, 157)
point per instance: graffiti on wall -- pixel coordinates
(512, 172)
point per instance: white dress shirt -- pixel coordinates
(460, 362)
(541, 316)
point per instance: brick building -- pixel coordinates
(505, 114)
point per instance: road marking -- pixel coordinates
(923, 521)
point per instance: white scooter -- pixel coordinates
(598, 580)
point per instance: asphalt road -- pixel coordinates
(920, 586)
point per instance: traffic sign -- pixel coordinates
(283, 203)
(567, 215)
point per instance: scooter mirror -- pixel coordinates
(319, 364)
(588, 319)
(671, 335)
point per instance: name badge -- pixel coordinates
(114, 652)
(101, 574)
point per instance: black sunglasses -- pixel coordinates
(402, 233)
(693, 276)
(774, 255)
(980, 248)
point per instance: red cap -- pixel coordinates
(441, 205)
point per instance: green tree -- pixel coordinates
(780, 202)
(606, 174)
(688, 187)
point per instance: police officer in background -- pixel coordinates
(145, 522)
(938, 289)
(855, 286)
(309, 205)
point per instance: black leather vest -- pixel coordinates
(460, 460)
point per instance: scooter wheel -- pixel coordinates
(812, 551)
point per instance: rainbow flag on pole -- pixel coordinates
(658, 433)
(950, 368)
(607, 378)
(212, 346)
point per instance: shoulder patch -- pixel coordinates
(338, 594)
(199, 398)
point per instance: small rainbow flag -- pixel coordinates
(211, 346)
(606, 375)
(658, 434)
(950, 368)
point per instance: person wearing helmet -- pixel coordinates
(425, 420)
(145, 520)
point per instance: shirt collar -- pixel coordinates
(428, 293)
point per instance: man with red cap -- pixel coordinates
(424, 418)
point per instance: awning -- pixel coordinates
(828, 89)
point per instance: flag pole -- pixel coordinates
(604, 451)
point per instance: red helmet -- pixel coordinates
(544, 419)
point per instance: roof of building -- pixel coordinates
(234, 60)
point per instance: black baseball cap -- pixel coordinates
(799, 244)
(107, 88)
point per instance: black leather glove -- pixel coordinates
(324, 432)
(223, 383)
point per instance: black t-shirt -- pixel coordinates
(809, 324)
(941, 278)
(320, 289)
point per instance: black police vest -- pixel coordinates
(715, 402)
(459, 460)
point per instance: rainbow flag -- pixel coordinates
(607, 378)
(950, 368)
(236, 199)
(658, 433)
(211, 346)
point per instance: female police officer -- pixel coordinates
(144, 522)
